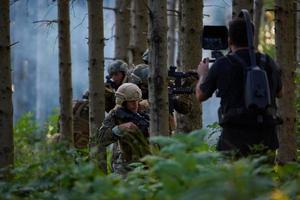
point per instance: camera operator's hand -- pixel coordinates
(202, 69)
(202, 72)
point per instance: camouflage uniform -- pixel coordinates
(110, 87)
(128, 145)
(81, 107)
(182, 103)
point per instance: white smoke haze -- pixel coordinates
(35, 56)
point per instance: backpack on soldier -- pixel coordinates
(257, 90)
(81, 123)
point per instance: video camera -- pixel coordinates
(215, 38)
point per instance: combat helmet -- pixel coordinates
(139, 75)
(128, 92)
(117, 66)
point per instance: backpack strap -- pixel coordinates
(240, 60)
(263, 61)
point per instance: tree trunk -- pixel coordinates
(298, 32)
(285, 35)
(238, 5)
(122, 29)
(179, 24)
(191, 51)
(139, 28)
(65, 76)
(158, 84)
(6, 106)
(171, 6)
(96, 74)
(96, 65)
(258, 5)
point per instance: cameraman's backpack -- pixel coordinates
(257, 91)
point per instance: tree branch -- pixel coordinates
(109, 8)
(47, 22)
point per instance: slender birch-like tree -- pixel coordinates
(172, 19)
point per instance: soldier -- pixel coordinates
(117, 74)
(126, 129)
(181, 103)
(117, 71)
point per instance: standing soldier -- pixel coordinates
(126, 129)
(117, 71)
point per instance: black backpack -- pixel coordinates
(257, 90)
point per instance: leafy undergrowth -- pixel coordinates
(185, 167)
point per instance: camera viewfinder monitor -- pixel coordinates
(215, 38)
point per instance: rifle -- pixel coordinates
(109, 82)
(176, 87)
(142, 121)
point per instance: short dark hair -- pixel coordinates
(238, 32)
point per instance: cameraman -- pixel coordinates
(240, 129)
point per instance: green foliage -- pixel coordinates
(51, 126)
(180, 167)
(268, 49)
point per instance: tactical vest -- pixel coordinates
(81, 123)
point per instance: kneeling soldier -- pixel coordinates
(126, 129)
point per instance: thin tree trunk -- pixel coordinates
(158, 84)
(285, 35)
(96, 65)
(238, 5)
(139, 28)
(298, 32)
(171, 6)
(65, 76)
(96, 74)
(6, 106)
(191, 51)
(258, 5)
(179, 24)
(122, 29)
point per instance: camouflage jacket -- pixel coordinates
(128, 147)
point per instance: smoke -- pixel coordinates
(35, 56)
